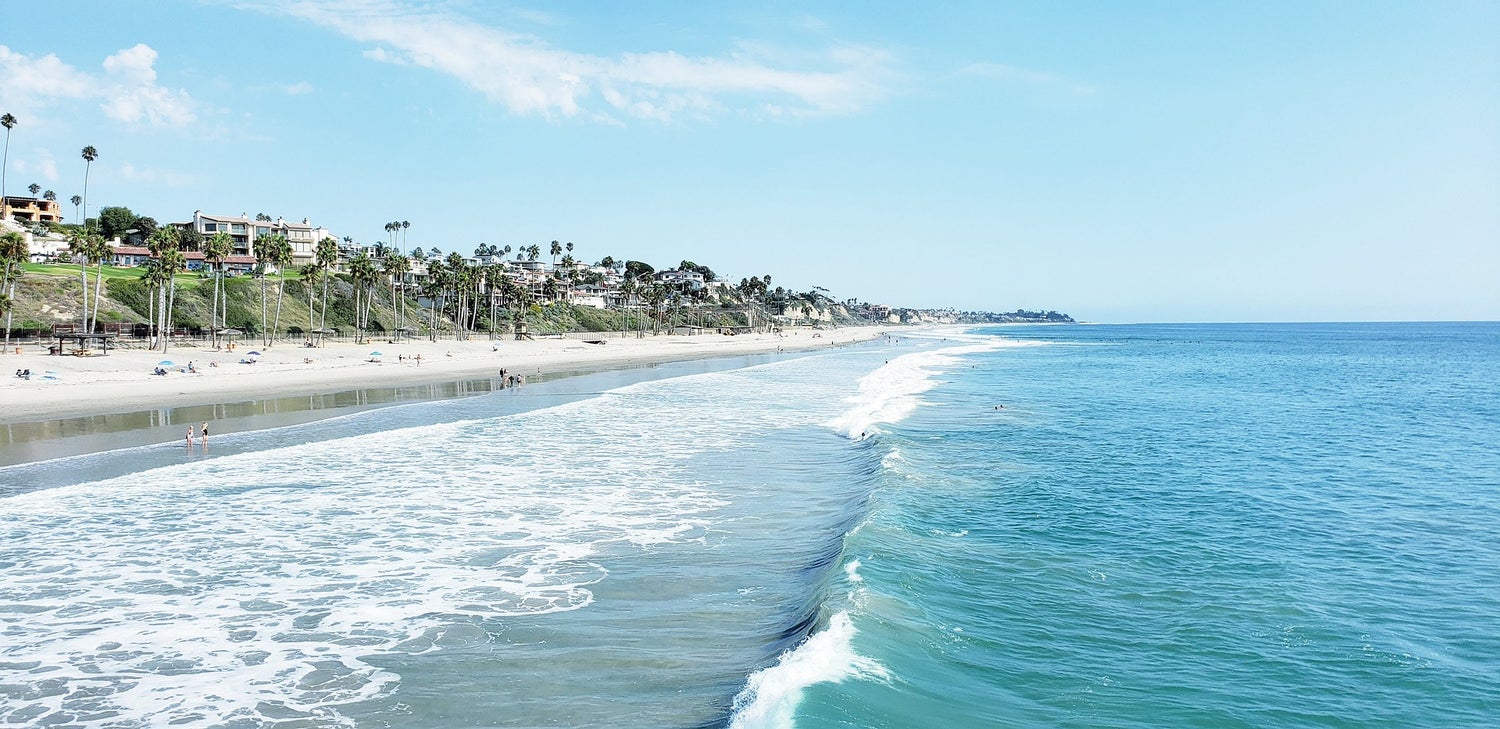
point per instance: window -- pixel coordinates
(210, 227)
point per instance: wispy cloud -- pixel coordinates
(298, 89)
(1003, 72)
(528, 76)
(126, 89)
(44, 166)
(149, 175)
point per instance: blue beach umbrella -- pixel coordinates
(166, 363)
(374, 354)
(257, 354)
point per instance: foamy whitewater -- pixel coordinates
(1029, 526)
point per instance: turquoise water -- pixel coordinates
(1292, 525)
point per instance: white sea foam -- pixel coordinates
(770, 698)
(890, 394)
(255, 587)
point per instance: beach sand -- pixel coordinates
(123, 381)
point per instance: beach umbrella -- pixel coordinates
(255, 354)
(374, 354)
(166, 363)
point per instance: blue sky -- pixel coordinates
(1118, 161)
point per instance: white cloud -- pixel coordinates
(528, 76)
(45, 167)
(299, 88)
(126, 89)
(132, 173)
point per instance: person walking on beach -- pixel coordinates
(190, 436)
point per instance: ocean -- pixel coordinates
(1011, 526)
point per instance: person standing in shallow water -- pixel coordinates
(190, 436)
(203, 434)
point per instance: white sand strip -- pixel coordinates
(67, 386)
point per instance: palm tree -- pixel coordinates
(326, 257)
(533, 252)
(310, 273)
(79, 244)
(159, 243)
(437, 279)
(214, 250)
(405, 225)
(50, 196)
(99, 252)
(362, 273)
(9, 122)
(89, 155)
(264, 249)
(34, 188)
(76, 200)
(556, 248)
(395, 266)
(167, 260)
(13, 252)
(281, 257)
(172, 261)
(457, 271)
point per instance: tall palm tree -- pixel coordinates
(49, 196)
(76, 200)
(157, 276)
(264, 249)
(395, 266)
(326, 257)
(281, 258)
(434, 288)
(79, 244)
(556, 248)
(89, 155)
(9, 122)
(310, 274)
(172, 261)
(99, 252)
(362, 274)
(13, 252)
(405, 225)
(34, 188)
(215, 249)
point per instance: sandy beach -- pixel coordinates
(66, 386)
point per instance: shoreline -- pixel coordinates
(122, 382)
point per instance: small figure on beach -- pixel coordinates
(191, 368)
(203, 434)
(419, 360)
(190, 436)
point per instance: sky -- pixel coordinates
(1121, 162)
